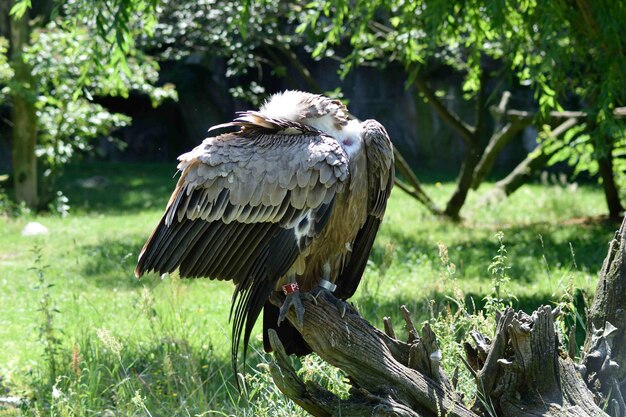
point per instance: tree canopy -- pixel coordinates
(570, 54)
(71, 53)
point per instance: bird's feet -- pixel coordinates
(294, 299)
(324, 291)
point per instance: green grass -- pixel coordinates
(174, 358)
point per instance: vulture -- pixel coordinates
(289, 201)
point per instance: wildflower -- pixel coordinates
(109, 341)
(76, 359)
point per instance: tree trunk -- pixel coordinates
(497, 142)
(5, 20)
(605, 168)
(413, 187)
(464, 182)
(523, 371)
(24, 117)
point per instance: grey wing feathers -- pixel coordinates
(242, 180)
(237, 211)
(380, 166)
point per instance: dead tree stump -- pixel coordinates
(523, 371)
(604, 353)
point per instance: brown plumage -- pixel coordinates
(296, 193)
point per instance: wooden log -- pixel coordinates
(523, 371)
(403, 378)
(604, 353)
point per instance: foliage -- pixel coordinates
(574, 52)
(74, 60)
(569, 50)
(49, 335)
(117, 22)
(498, 268)
(5, 69)
(61, 59)
(417, 35)
(251, 37)
(10, 208)
(570, 53)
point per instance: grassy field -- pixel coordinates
(79, 335)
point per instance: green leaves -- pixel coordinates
(90, 52)
(6, 72)
(19, 8)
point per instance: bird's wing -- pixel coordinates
(247, 203)
(380, 177)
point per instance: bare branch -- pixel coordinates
(414, 187)
(451, 118)
(618, 113)
(522, 172)
(498, 141)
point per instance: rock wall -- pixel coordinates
(161, 134)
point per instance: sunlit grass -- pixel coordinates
(550, 232)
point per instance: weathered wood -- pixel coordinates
(526, 373)
(524, 370)
(321, 402)
(604, 353)
(376, 364)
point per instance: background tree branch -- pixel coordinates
(452, 119)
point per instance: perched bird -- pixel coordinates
(290, 203)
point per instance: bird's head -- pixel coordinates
(313, 110)
(327, 115)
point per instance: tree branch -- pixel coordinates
(451, 118)
(481, 107)
(303, 71)
(498, 141)
(370, 359)
(618, 113)
(522, 172)
(604, 353)
(414, 187)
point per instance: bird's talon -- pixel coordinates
(341, 305)
(292, 300)
(310, 297)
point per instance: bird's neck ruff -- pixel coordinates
(286, 105)
(319, 112)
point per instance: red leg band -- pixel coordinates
(291, 288)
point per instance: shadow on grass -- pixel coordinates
(118, 187)
(527, 245)
(161, 375)
(111, 263)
